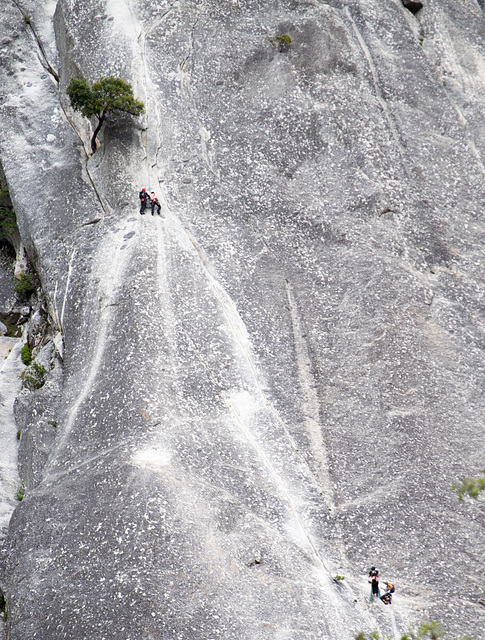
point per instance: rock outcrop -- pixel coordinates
(277, 380)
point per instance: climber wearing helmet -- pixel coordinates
(143, 200)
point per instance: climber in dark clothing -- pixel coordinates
(143, 200)
(374, 581)
(155, 203)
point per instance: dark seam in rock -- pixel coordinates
(47, 66)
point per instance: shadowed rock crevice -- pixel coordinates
(413, 5)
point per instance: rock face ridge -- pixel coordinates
(277, 380)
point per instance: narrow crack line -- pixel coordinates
(207, 154)
(43, 57)
(192, 43)
(54, 311)
(146, 30)
(69, 272)
(192, 36)
(162, 272)
(93, 184)
(379, 96)
(141, 40)
(62, 474)
(470, 144)
(310, 401)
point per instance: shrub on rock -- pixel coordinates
(25, 355)
(33, 377)
(25, 286)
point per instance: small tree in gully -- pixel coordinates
(107, 95)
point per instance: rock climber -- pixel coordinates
(155, 203)
(374, 581)
(387, 597)
(143, 200)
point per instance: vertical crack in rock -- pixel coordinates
(378, 92)
(66, 292)
(151, 114)
(85, 158)
(310, 402)
(43, 55)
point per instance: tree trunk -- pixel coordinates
(96, 131)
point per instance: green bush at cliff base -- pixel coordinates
(33, 377)
(25, 286)
(26, 355)
(8, 221)
(20, 491)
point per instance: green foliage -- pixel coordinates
(426, 631)
(19, 433)
(338, 578)
(284, 39)
(53, 423)
(472, 487)
(20, 491)
(281, 42)
(25, 286)
(26, 355)
(10, 321)
(106, 95)
(8, 220)
(33, 377)
(82, 98)
(26, 18)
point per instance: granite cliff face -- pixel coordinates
(277, 380)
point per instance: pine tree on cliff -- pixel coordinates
(106, 95)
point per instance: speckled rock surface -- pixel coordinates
(277, 380)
